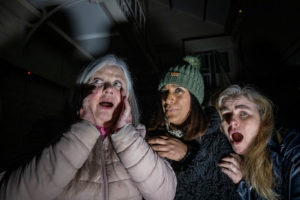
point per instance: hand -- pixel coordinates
(125, 116)
(167, 147)
(121, 116)
(87, 111)
(231, 166)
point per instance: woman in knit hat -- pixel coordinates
(189, 137)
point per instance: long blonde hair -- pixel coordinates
(257, 166)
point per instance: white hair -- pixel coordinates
(96, 65)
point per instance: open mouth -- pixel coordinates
(237, 137)
(106, 104)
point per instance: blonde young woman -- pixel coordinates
(265, 164)
(103, 155)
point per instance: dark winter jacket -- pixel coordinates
(198, 175)
(285, 157)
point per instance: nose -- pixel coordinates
(108, 88)
(233, 122)
(170, 98)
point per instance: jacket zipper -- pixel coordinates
(104, 175)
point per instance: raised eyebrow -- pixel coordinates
(164, 89)
(177, 86)
(242, 106)
(96, 77)
(223, 109)
(121, 79)
(174, 85)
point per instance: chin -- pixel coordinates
(171, 119)
(106, 119)
(240, 152)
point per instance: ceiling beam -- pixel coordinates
(37, 13)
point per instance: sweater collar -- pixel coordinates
(104, 131)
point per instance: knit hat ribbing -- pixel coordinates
(188, 76)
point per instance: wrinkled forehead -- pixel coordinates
(227, 101)
(239, 101)
(111, 73)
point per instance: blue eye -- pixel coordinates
(117, 85)
(97, 82)
(243, 115)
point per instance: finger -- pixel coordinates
(125, 116)
(123, 93)
(164, 137)
(163, 154)
(231, 160)
(162, 148)
(157, 140)
(236, 178)
(85, 102)
(225, 165)
(127, 109)
(175, 141)
(229, 173)
(81, 111)
(229, 166)
(85, 107)
(236, 156)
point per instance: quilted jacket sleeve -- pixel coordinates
(45, 178)
(153, 175)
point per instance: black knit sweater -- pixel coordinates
(198, 175)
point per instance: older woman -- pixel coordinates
(103, 155)
(181, 133)
(265, 166)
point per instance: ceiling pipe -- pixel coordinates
(37, 13)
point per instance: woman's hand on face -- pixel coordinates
(125, 116)
(231, 166)
(87, 112)
(167, 147)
